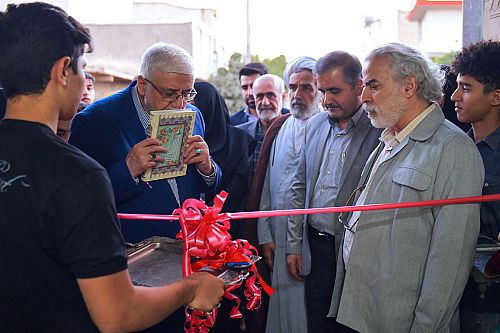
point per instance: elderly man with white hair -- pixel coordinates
(287, 305)
(404, 270)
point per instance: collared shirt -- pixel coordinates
(144, 119)
(390, 140)
(327, 187)
(489, 148)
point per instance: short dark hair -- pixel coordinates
(253, 68)
(481, 61)
(90, 77)
(339, 59)
(33, 36)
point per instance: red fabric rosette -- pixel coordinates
(204, 231)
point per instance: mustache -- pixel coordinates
(332, 106)
(250, 102)
(299, 103)
(267, 108)
(369, 108)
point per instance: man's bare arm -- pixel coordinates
(115, 305)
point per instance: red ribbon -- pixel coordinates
(205, 234)
(204, 231)
(345, 209)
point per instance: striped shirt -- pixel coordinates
(327, 187)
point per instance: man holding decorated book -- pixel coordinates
(113, 132)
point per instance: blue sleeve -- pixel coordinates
(199, 129)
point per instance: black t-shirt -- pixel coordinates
(57, 223)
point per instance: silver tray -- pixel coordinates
(155, 262)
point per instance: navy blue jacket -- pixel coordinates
(107, 130)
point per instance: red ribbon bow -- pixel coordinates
(204, 231)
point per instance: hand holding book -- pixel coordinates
(143, 156)
(197, 152)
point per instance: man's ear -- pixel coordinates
(60, 70)
(410, 85)
(495, 100)
(140, 85)
(358, 86)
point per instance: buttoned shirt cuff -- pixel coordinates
(210, 179)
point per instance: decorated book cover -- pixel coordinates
(172, 128)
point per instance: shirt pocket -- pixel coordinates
(411, 177)
(491, 184)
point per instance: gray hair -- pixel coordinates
(166, 58)
(406, 61)
(278, 83)
(298, 65)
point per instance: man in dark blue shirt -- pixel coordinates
(477, 101)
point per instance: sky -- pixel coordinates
(294, 29)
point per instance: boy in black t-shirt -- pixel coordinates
(62, 259)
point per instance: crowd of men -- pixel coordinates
(355, 133)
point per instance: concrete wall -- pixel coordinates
(440, 31)
(407, 30)
(491, 20)
(105, 86)
(119, 47)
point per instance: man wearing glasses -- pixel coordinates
(113, 132)
(404, 270)
(335, 147)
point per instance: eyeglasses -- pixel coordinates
(172, 95)
(349, 203)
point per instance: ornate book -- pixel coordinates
(172, 128)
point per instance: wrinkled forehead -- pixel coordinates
(302, 77)
(265, 85)
(377, 69)
(173, 81)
